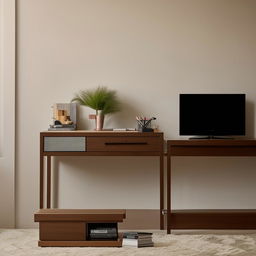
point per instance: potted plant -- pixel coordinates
(103, 100)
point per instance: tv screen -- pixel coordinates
(212, 114)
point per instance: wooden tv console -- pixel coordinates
(208, 219)
(91, 143)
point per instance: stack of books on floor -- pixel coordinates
(137, 239)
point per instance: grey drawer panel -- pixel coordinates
(76, 144)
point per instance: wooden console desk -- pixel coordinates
(208, 219)
(89, 143)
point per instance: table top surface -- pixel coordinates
(82, 211)
(80, 214)
(213, 142)
(101, 133)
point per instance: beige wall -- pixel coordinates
(7, 113)
(149, 51)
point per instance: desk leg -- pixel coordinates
(161, 191)
(49, 181)
(41, 181)
(168, 215)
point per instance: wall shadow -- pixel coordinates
(250, 119)
(126, 118)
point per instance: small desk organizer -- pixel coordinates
(144, 125)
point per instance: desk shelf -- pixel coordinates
(117, 243)
(213, 219)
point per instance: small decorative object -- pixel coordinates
(144, 123)
(64, 117)
(103, 100)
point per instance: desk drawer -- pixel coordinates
(64, 144)
(128, 144)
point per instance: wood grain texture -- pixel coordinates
(122, 143)
(62, 231)
(213, 142)
(49, 181)
(161, 180)
(213, 219)
(213, 151)
(212, 147)
(41, 179)
(100, 133)
(106, 153)
(80, 215)
(168, 189)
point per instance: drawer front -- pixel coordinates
(128, 144)
(62, 144)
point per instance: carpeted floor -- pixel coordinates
(23, 242)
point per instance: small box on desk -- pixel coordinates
(145, 129)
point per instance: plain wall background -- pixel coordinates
(7, 112)
(150, 51)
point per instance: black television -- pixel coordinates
(212, 115)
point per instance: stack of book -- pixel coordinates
(62, 127)
(137, 239)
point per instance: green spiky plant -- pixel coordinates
(100, 98)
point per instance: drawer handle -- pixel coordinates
(125, 143)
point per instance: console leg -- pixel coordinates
(168, 215)
(49, 181)
(41, 180)
(161, 191)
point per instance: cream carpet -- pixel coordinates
(23, 242)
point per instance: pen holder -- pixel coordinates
(144, 126)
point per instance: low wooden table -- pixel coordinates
(60, 227)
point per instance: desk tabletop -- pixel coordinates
(101, 133)
(213, 142)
